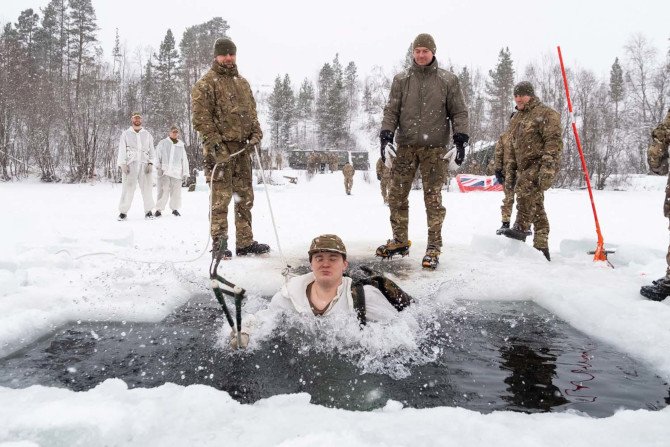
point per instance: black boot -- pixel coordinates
(148, 215)
(176, 213)
(393, 247)
(656, 292)
(503, 227)
(158, 213)
(253, 249)
(515, 233)
(545, 252)
(122, 216)
(432, 258)
(220, 250)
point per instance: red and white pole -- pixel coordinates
(600, 254)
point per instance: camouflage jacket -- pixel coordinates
(657, 154)
(224, 108)
(425, 104)
(382, 171)
(501, 155)
(348, 171)
(535, 137)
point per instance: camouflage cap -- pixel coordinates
(134, 114)
(223, 46)
(426, 41)
(524, 88)
(327, 242)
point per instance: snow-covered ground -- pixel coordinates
(64, 257)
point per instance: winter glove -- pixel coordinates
(460, 140)
(500, 176)
(385, 137)
(125, 169)
(147, 168)
(379, 177)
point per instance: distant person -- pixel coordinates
(534, 160)
(172, 167)
(348, 171)
(384, 177)
(425, 104)
(657, 157)
(136, 157)
(224, 114)
(501, 162)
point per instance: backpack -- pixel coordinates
(391, 291)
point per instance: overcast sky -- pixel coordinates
(299, 36)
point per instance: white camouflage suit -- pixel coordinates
(136, 151)
(172, 165)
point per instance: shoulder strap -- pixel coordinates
(358, 295)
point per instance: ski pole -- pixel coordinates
(600, 253)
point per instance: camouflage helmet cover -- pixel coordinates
(327, 242)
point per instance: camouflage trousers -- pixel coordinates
(507, 203)
(530, 207)
(348, 183)
(385, 187)
(233, 178)
(429, 162)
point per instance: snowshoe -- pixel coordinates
(392, 248)
(122, 216)
(655, 292)
(515, 233)
(431, 259)
(253, 249)
(503, 227)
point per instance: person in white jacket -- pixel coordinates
(325, 291)
(136, 158)
(172, 167)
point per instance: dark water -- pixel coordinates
(493, 356)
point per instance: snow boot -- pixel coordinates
(515, 233)
(220, 250)
(149, 215)
(503, 227)
(432, 257)
(253, 249)
(176, 213)
(122, 216)
(158, 214)
(656, 292)
(393, 247)
(545, 252)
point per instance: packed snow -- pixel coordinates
(66, 258)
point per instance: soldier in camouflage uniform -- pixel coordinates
(224, 114)
(424, 104)
(384, 177)
(657, 157)
(501, 158)
(535, 136)
(348, 172)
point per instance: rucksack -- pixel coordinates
(391, 291)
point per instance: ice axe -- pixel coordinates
(600, 253)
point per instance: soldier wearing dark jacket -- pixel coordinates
(425, 104)
(535, 137)
(657, 157)
(224, 114)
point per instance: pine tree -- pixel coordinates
(616, 88)
(166, 101)
(304, 108)
(82, 28)
(351, 92)
(499, 90)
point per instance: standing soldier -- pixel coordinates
(501, 159)
(424, 104)
(224, 114)
(172, 169)
(136, 158)
(384, 177)
(657, 157)
(348, 172)
(535, 136)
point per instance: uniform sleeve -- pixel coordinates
(498, 153)
(121, 156)
(457, 111)
(393, 106)
(553, 142)
(152, 150)
(377, 307)
(203, 119)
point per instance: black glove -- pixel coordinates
(379, 177)
(385, 137)
(460, 140)
(500, 176)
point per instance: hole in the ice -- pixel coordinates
(484, 356)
